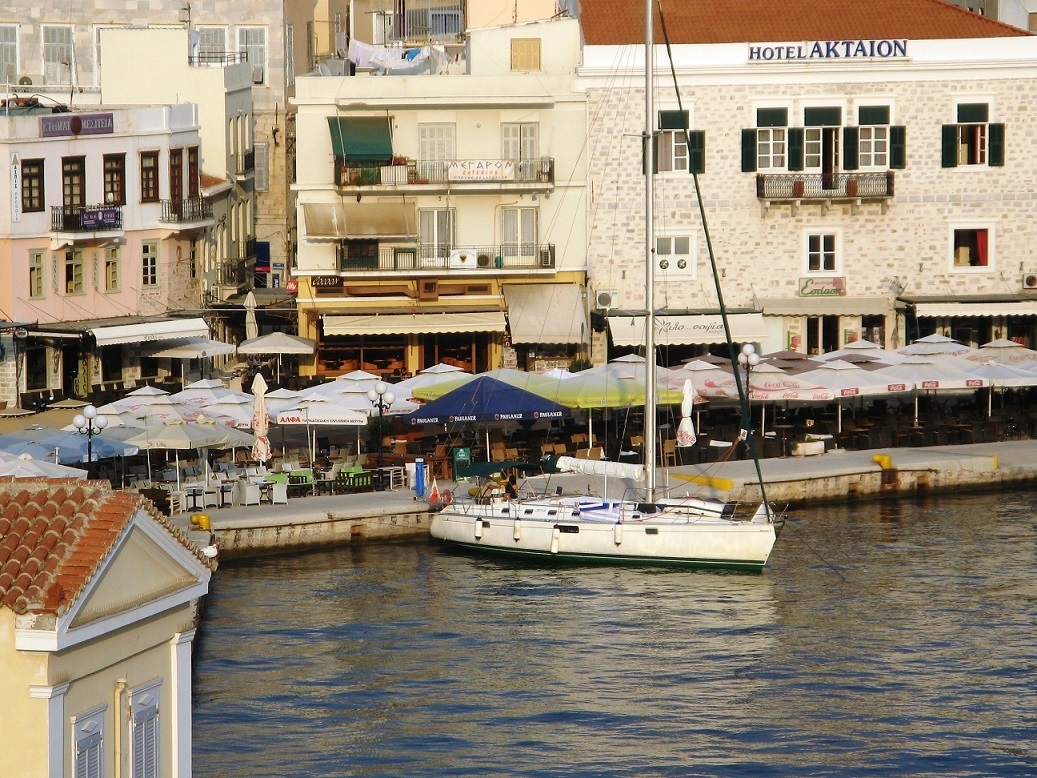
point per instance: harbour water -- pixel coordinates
(887, 638)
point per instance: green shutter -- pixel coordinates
(851, 145)
(673, 120)
(898, 147)
(697, 151)
(749, 151)
(822, 117)
(996, 154)
(973, 113)
(873, 114)
(950, 145)
(772, 117)
(795, 148)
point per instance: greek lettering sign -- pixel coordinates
(57, 125)
(822, 287)
(481, 170)
(895, 48)
(101, 218)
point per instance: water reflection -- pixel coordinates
(885, 638)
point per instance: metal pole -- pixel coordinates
(649, 156)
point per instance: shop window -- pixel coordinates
(35, 369)
(111, 363)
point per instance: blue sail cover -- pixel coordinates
(485, 399)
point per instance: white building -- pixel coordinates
(865, 172)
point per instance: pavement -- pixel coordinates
(837, 474)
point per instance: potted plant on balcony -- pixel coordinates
(851, 187)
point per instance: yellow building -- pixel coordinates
(98, 605)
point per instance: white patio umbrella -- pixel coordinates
(24, 466)
(145, 395)
(319, 411)
(1003, 376)
(348, 394)
(861, 348)
(251, 326)
(260, 420)
(278, 343)
(232, 411)
(180, 436)
(936, 344)
(207, 392)
(194, 348)
(281, 398)
(1004, 352)
(849, 380)
(930, 375)
(430, 377)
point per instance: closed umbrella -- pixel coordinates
(686, 430)
(260, 420)
(251, 326)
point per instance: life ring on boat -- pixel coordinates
(446, 497)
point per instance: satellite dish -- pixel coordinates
(25, 81)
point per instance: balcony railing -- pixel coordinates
(193, 209)
(823, 186)
(85, 218)
(422, 258)
(231, 272)
(246, 163)
(217, 59)
(247, 247)
(455, 171)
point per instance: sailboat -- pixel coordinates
(688, 531)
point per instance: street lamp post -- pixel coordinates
(381, 398)
(90, 423)
(748, 359)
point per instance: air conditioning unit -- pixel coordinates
(462, 259)
(428, 289)
(484, 260)
(257, 74)
(547, 256)
(1030, 281)
(606, 299)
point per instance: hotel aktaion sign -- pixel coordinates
(885, 48)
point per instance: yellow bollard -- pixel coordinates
(882, 460)
(995, 462)
(200, 520)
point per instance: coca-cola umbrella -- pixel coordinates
(929, 374)
(1002, 376)
(1004, 352)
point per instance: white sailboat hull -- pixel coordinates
(601, 533)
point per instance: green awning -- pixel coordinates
(361, 138)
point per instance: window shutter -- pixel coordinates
(873, 114)
(851, 145)
(973, 113)
(898, 147)
(673, 120)
(996, 155)
(795, 148)
(697, 151)
(749, 151)
(262, 167)
(950, 145)
(822, 117)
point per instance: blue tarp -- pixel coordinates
(485, 399)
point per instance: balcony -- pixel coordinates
(245, 164)
(231, 272)
(247, 248)
(214, 59)
(79, 219)
(191, 213)
(824, 188)
(441, 259)
(459, 174)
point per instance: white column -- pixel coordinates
(55, 725)
(181, 702)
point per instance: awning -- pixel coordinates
(195, 348)
(324, 220)
(172, 329)
(545, 313)
(381, 220)
(686, 330)
(414, 323)
(361, 138)
(951, 310)
(827, 306)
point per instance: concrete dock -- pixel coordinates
(320, 521)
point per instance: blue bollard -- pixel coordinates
(419, 477)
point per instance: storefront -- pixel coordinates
(974, 321)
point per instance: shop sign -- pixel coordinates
(62, 124)
(481, 170)
(101, 218)
(822, 287)
(884, 48)
(327, 284)
(291, 286)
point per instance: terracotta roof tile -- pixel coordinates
(612, 22)
(55, 532)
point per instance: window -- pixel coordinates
(33, 197)
(36, 368)
(764, 147)
(111, 363)
(821, 135)
(144, 732)
(176, 178)
(821, 253)
(88, 755)
(212, 44)
(149, 264)
(435, 232)
(525, 54)
(252, 43)
(973, 140)
(112, 269)
(9, 53)
(149, 176)
(873, 144)
(73, 182)
(677, 149)
(261, 183)
(289, 59)
(972, 248)
(673, 256)
(518, 232)
(520, 142)
(192, 172)
(37, 274)
(73, 271)
(115, 179)
(57, 54)
(435, 147)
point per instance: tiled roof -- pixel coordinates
(614, 22)
(55, 532)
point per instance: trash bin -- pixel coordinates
(419, 477)
(462, 459)
(410, 468)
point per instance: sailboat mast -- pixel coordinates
(649, 157)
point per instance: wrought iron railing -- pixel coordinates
(504, 256)
(247, 247)
(193, 209)
(456, 171)
(85, 218)
(824, 186)
(217, 59)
